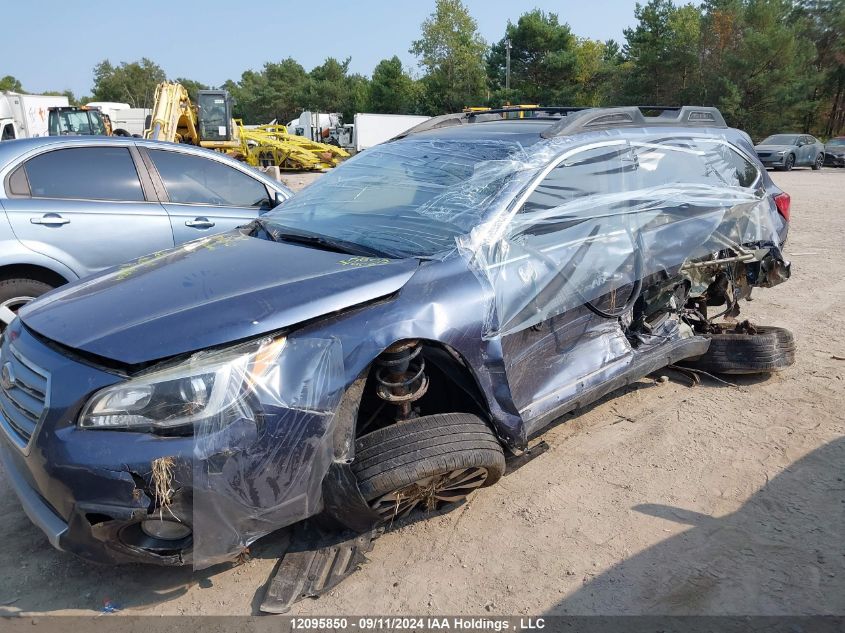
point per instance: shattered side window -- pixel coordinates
(609, 215)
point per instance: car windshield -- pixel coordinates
(408, 198)
(781, 139)
(836, 142)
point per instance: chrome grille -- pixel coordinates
(23, 395)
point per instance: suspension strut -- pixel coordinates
(401, 376)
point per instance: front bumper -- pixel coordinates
(772, 160)
(89, 490)
(38, 510)
(834, 160)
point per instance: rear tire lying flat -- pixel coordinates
(769, 350)
(426, 463)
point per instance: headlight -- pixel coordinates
(207, 385)
(782, 152)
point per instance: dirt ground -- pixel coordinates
(660, 499)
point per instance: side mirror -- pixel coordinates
(278, 199)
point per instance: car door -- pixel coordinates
(204, 196)
(807, 151)
(815, 148)
(579, 250)
(567, 245)
(86, 207)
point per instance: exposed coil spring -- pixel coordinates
(401, 376)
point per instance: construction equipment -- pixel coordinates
(210, 124)
(77, 121)
(507, 111)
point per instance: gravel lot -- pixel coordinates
(662, 498)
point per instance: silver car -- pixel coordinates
(73, 206)
(785, 151)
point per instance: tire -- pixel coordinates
(819, 162)
(15, 293)
(789, 163)
(426, 463)
(771, 349)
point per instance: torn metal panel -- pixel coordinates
(602, 217)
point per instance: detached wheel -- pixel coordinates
(768, 350)
(819, 162)
(426, 463)
(16, 293)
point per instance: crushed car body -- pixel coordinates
(373, 345)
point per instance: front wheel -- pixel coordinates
(15, 294)
(818, 162)
(426, 463)
(789, 163)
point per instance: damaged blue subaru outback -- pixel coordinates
(377, 344)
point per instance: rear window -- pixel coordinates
(616, 169)
(196, 180)
(85, 173)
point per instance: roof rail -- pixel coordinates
(633, 116)
(573, 119)
(492, 114)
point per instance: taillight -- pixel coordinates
(782, 202)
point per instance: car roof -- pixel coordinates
(11, 150)
(523, 131)
(19, 146)
(549, 122)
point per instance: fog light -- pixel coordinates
(165, 530)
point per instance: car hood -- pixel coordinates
(835, 149)
(772, 148)
(206, 293)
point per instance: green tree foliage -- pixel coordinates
(330, 88)
(543, 60)
(282, 90)
(756, 64)
(663, 49)
(392, 90)
(452, 53)
(133, 83)
(11, 83)
(823, 23)
(277, 92)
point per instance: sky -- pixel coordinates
(54, 45)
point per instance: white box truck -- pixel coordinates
(125, 120)
(25, 116)
(366, 131)
(372, 129)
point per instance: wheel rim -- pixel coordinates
(429, 493)
(790, 161)
(819, 161)
(11, 306)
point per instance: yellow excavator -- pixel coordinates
(209, 124)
